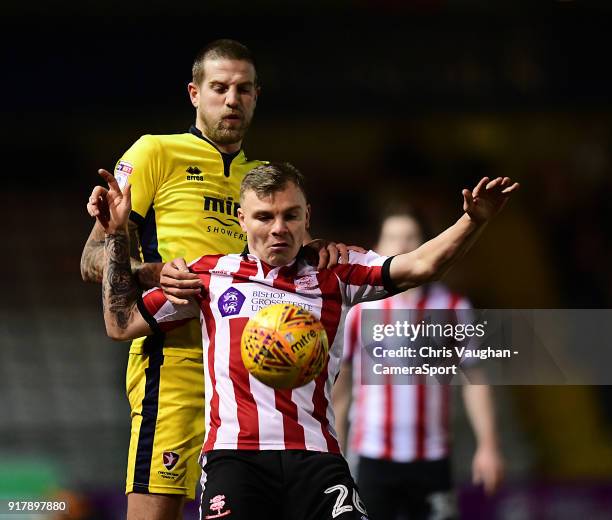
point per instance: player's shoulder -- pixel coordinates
(165, 139)
(368, 258)
(248, 164)
(147, 144)
(166, 146)
(219, 264)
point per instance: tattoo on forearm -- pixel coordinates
(119, 289)
(92, 258)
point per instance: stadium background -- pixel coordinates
(372, 100)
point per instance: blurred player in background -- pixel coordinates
(274, 452)
(185, 190)
(401, 432)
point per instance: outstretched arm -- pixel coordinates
(431, 260)
(119, 289)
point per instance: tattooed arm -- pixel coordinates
(119, 288)
(92, 258)
(119, 291)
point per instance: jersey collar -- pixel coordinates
(302, 254)
(227, 157)
(198, 133)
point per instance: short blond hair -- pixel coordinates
(269, 178)
(224, 48)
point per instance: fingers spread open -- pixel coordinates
(479, 186)
(512, 188)
(495, 182)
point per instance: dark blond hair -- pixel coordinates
(228, 49)
(269, 178)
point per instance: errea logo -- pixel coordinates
(194, 174)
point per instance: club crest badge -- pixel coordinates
(230, 302)
(218, 507)
(170, 459)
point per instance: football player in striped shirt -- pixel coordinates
(401, 432)
(268, 452)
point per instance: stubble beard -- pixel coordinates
(220, 132)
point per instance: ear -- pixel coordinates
(307, 217)
(194, 93)
(257, 92)
(241, 219)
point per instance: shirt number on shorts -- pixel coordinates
(340, 507)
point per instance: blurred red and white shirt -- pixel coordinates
(399, 422)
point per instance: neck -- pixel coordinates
(227, 148)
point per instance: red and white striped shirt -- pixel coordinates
(402, 423)
(241, 412)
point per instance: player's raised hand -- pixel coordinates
(488, 198)
(111, 206)
(178, 283)
(97, 205)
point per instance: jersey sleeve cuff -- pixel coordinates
(136, 218)
(388, 284)
(148, 317)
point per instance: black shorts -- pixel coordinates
(417, 490)
(271, 484)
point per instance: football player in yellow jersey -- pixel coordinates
(185, 191)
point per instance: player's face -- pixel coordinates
(400, 234)
(225, 101)
(275, 225)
